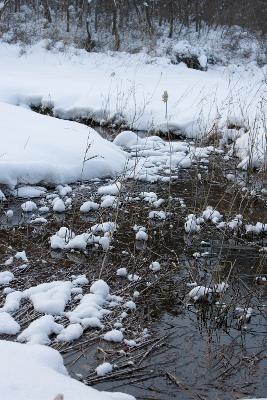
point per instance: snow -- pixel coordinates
(141, 235)
(199, 292)
(43, 209)
(50, 83)
(29, 192)
(113, 336)
(8, 326)
(64, 190)
(108, 226)
(37, 372)
(109, 201)
(130, 343)
(155, 266)
(28, 206)
(221, 287)
(105, 242)
(192, 224)
(80, 280)
(9, 261)
(89, 311)
(39, 330)
(71, 332)
(130, 305)
(122, 272)
(65, 233)
(100, 288)
(112, 189)
(157, 215)
(38, 220)
(49, 298)
(2, 196)
(12, 301)
(103, 369)
(79, 242)
(59, 206)
(210, 214)
(257, 229)
(66, 239)
(89, 206)
(6, 277)
(21, 255)
(52, 151)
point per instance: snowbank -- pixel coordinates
(30, 372)
(37, 148)
(117, 87)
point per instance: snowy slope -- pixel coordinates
(37, 148)
(22, 365)
(105, 85)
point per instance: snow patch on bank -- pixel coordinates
(23, 365)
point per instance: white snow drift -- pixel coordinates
(37, 148)
(37, 372)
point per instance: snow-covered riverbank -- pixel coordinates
(122, 88)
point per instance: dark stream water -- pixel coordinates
(198, 359)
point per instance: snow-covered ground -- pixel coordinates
(37, 372)
(37, 148)
(118, 87)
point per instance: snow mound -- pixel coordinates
(52, 151)
(38, 372)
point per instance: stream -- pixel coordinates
(202, 350)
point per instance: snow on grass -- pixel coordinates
(50, 298)
(192, 224)
(37, 372)
(203, 292)
(28, 206)
(8, 326)
(2, 196)
(199, 292)
(141, 235)
(29, 192)
(122, 272)
(38, 331)
(6, 277)
(161, 215)
(89, 206)
(108, 226)
(155, 266)
(112, 189)
(65, 239)
(59, 205)
(113, 336)
(21, 255)
(89, 311)
(109, 201)
(70, 333)
(103, 369)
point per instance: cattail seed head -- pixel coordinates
(165, 96)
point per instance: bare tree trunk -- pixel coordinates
(47, 13)
(68, 15)
(148, 20)
(4, 6)
(171, 19)
(115, 31)
(17, 5)
(90, 44)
